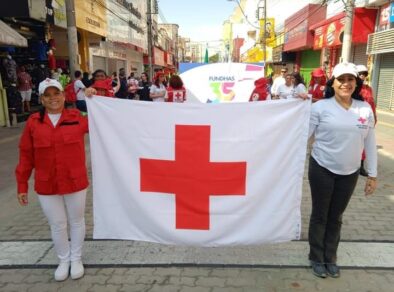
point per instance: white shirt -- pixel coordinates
(341, 135)
(54, 118)
(300, 88)
(285, 91)
(161, 89)
(79, 90)
(277, 81)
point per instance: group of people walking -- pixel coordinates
(52, 144)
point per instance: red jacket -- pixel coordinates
(176, 95)
(317, 91)
(367, 94)
(260, 91)
(56, 153)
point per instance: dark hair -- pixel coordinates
(42, 114)
(85, 75)
(146, 74)
(77, 74)
(298, 78)
(176, 82)
(329, 91)
(98, 71)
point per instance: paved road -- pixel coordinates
(368, 230)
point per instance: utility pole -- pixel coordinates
(150, 48)
(347, 33)
(72, 37)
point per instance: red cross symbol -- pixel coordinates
(178, 94)
(362, 120)
(192, 177)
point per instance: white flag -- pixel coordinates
(198, 174)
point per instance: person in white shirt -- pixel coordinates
(79, 89)
(277, 82)
(300, 90)
(286, 90)
(158, 90)
(342, 125)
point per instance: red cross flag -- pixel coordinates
(198, 174)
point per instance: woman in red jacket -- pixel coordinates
(260, 92)
(52, 144)
(317, 84)
(176, 92)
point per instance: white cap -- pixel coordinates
(48, 83)
(344, 68)
(361, 68)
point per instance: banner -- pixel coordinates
(198, 174)
(221, 82)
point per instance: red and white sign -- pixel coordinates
(198, 174)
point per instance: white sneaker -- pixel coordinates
(77, 270)
(62, 271)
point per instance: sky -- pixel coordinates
(201, 20)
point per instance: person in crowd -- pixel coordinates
(158, 89)
(261, 90)
(342, 125)
(277, 82)
(122, 81)
(24, 85)
(176, 92)
(64, 78)
(79, 89)
(317, 84)
(299, 86)
(367, 95)
(144, 87)
(85, 79)
(103, 85)
(132, 84)
(52, 143)
(286, 90)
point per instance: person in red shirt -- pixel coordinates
(367, 94)
(103, 85)
(52, 143)
(176, 92)
(260, 92)
(317, 84)
(25, 86)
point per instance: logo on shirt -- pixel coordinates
(362, 123)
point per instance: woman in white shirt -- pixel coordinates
(286, 90)
(343, 125)
(158, 90)
(300, 90)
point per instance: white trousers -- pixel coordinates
(62, 208)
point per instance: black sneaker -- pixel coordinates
(319, 269)
(332, 270)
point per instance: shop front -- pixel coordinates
(329, 36)
(381, 47)
(299, 39)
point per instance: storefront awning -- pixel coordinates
(329, 32)
(9, 37)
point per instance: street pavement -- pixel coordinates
(366, 252)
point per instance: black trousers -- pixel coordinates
(330, 196)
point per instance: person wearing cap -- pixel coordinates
(52, 143)
(317, 84)
(103, 85)
(343, 125)
(158, 89)
(277, 82)
(260, 92)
